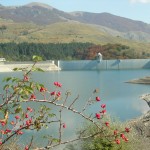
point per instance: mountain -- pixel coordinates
(42, 15)
(111, 21)
(37, 13)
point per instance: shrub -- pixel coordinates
(19, 118)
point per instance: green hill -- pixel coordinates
(64, 32)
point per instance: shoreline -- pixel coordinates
(144, 80)
(4, 68)
(46, 66)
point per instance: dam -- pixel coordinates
(44, 65)
(105, 64)
(51, 65)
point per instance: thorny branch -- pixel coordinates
(12, 98)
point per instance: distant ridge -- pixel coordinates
(35, 4)
(34, 12)
(112, 21)
(45, 15)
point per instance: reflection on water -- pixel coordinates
(122, 99)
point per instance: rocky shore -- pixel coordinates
(141, 126)
(144, 80)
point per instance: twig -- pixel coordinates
(66, 107)
(74, 101)
(60, 126)
(31, 142)
(69, 141)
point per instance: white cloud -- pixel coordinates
(140, 1)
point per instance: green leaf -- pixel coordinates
(18, 110)
(15, 79)
(17, 69)
(6, 86)
(36, 58)
(51, 115)
(21, 91)
(38, 86)
(7, 79)
(15, 104)
(46, 126)
(29, 89)
(55, 140)
(37, 69)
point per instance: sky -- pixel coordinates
(132, 9)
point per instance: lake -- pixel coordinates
(122, 99)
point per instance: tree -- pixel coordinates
(3, 28)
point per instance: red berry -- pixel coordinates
(117, 141)
(19, 132)
(3, 123)
(30, 120)
(103, 111)
(57, 84)
(98, 116)
(28, 123)
(53, 93)
(98, 98)
(127, 130)
(26, 147)
(103, 105)
(64, 125)
(29, 109)
(58, 94)
(32, 96)
(26, 78)
(107, 124)
(122, 135)
(12, 122)
(43, 89)
(115, 132)
(7, 131)
(126, 139)
(26, 116)
(17, 117)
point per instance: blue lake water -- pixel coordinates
(122, 99)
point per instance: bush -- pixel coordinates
(18, 118)
(117, 136)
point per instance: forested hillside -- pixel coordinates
(67, 51)
(31, 29)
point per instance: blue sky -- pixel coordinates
(133, 9)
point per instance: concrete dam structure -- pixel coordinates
(45, 65)
(79, 65)
(105, 64)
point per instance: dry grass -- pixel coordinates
(63, 32)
